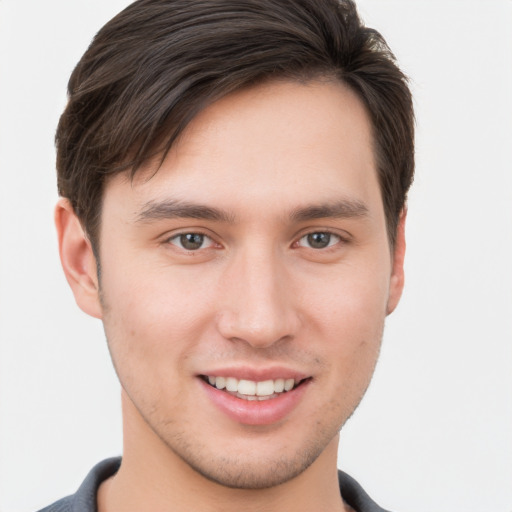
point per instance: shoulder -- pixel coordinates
(355, 496)
(63, 505)
(84, 500)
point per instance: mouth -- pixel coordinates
(252, 390)
(251, 397)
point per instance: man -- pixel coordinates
(233, 180)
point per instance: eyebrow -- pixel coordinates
(338, 210)
(173, 209)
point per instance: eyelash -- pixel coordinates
(179, 237)
(330, 234)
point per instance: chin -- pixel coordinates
(262, 474)
(255, 464)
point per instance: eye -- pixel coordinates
(191, 241)
(319, 240)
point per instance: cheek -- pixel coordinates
(351, 320)
(151, 296)
(152, 325)
(352, 301)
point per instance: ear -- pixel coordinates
(77, 258)
(396, 284)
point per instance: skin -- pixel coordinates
(256, 294)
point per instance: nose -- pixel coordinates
(258, 300)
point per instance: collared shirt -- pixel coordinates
(84, 500)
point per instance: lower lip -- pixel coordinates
(255, 412)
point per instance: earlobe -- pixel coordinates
(77, 258)
(396, 284)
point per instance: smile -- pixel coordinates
(250, 389)
(262, 401)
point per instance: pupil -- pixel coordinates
(319, 240)
(192, 241)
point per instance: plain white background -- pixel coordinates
(434, 432)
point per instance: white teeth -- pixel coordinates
(265, 388)
(247, 387)
(231, 384)
(251, 389)
(279, 385)
(288, 384)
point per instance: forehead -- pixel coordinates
(279, 145)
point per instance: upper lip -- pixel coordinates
(256, 374)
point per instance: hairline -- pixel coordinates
(155, 158)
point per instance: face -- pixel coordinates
(244, 286)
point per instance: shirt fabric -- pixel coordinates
(84, 500)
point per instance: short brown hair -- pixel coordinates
(155, 65)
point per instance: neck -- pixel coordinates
(153, 477)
